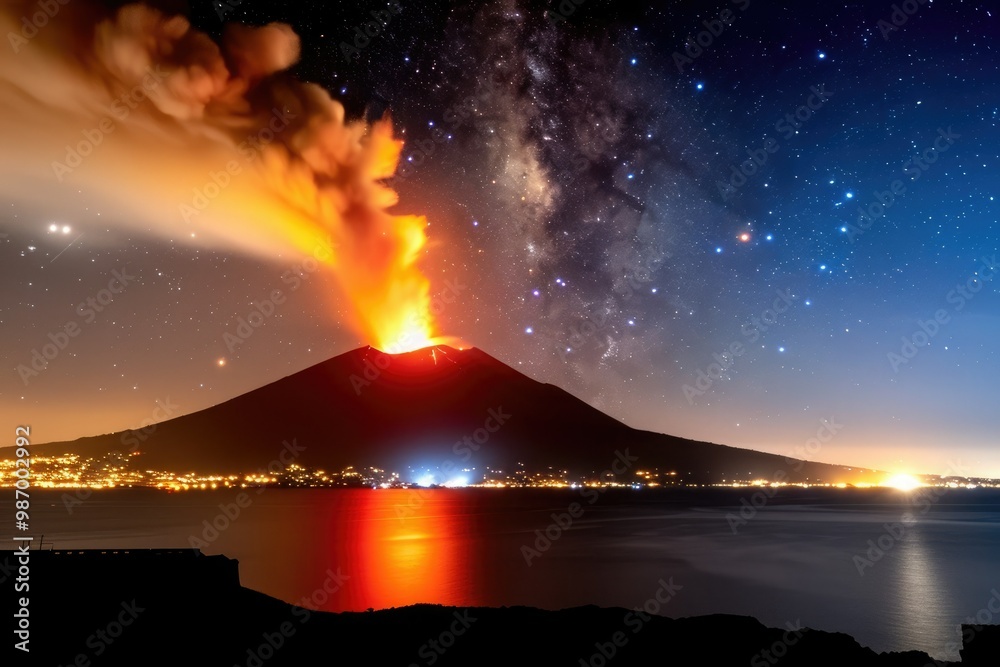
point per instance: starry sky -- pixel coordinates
(727, 221)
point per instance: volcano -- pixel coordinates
(423, 409)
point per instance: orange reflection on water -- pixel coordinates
(402, 547)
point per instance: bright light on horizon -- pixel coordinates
(430, 479)
(903, 482)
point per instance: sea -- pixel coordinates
(896, 570)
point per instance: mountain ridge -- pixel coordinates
(366, 407)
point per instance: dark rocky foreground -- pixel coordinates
(183, 608)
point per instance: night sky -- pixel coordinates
(615, 208)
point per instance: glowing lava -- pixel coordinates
(377, 263)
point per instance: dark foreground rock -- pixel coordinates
(94, 608)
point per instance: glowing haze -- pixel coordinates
(218, 146)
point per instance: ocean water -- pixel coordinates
(802, 557)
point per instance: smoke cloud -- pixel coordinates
(138, 115)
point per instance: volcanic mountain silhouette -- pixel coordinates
(423, 409)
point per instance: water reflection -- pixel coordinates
(918, 596)
(463, 547)
(401, 548)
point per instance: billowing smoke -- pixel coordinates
(140, 116)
